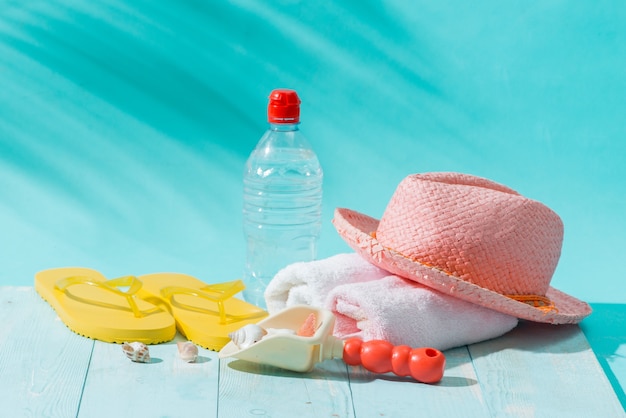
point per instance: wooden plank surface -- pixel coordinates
(42, 363)
(248, 389)
(457, 395)
(605, 330)
(541, 370)
(46, 370)
(165, 387)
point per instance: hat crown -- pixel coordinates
(474, 229)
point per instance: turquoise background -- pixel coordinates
(124, 126)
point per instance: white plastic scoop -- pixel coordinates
(300, 354)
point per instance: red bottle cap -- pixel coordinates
(284, 107)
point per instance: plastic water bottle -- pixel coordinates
(282, 198)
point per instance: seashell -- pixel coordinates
(280, 331)
(187, 351)
(307, 329)
(137, 352)
(248, 335)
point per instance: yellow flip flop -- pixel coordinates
(101, 309)
(204, 313)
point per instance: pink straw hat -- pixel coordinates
(471, 238)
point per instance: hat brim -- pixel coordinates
(357, 230)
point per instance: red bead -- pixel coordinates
(376, 356)
(352, 351)
(400, 360)
(422, 364)
(427, 364)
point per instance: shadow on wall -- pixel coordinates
(124, 126)
(606, 331)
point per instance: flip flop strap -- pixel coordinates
(216, 293)
(112, 285)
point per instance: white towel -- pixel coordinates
(406, 313)
(309, 283)
(370, 303)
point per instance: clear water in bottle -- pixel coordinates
(282, 207)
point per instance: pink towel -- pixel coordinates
(406, 313)
(309, 283)
(370, 303)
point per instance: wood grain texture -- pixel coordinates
(457, 395)
(43, 364)
(248, 389)
(541, 370)
(606, 332)
(536, 370)
(165, 387)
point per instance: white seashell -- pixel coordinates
(187, 351)
(280, 331)
(248, 335)
(137, 352)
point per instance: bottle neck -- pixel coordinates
(284, 127)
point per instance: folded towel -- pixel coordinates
(370, 303)
(406, 313)
(308, 283)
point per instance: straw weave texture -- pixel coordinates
(470, 237)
